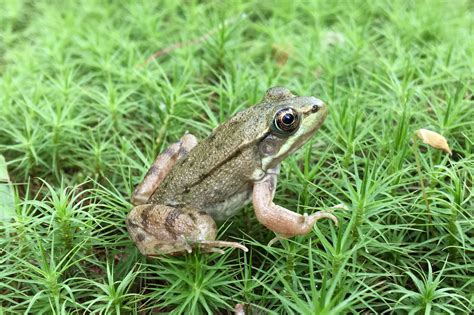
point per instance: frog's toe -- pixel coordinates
(322, 215)
(276, 239)
(214, 250)
(208, 245)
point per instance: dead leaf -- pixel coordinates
(434, 140)
(281, 53)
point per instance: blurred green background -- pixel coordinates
(91, 91)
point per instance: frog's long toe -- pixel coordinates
(312, 219)
(276, 239)
(210, 245)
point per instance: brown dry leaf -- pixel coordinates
(281, 53)
(434, 140)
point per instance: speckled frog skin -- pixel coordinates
(191, 185)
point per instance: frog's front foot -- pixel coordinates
(311, 219)
(278, 219)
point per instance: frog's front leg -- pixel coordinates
(278, 219)
(160, 229)
(161, 167)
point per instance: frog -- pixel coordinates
(192, 185)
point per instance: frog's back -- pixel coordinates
(219, 167)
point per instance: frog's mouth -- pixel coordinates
(311, 122)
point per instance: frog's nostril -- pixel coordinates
(316, 108)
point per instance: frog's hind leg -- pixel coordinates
(160, 229)
(161, 167)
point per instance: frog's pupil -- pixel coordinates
(288, 119)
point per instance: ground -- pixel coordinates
(91, 91)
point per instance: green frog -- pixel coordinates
(192, 185)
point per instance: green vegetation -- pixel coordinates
(82, 115)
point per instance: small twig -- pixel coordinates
(191, 42)
(177, 45)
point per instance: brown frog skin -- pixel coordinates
(191, 185)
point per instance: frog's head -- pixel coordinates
(292, 120)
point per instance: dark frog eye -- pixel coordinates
(286, 120)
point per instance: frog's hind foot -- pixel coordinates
(182, 246)
(213, 246)
(164, 230)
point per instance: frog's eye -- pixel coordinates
(286, 120)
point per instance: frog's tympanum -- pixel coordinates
(191, 185)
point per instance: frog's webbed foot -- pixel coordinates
(161, 167)
(278, 219)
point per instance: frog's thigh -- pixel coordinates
(278, 219)
(161, 167)
(160, 229)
